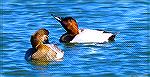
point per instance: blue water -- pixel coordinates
(128, 56)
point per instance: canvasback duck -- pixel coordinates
(76, 35)
(42, 50)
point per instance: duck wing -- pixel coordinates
(92, 36)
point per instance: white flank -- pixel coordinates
(88, 36)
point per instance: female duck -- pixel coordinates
(75, 35)
(42, 50)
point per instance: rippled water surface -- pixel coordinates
(128, 56)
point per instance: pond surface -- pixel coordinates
(128, 56)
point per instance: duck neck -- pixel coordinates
(73, 32)
(36, 43)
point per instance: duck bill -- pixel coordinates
(57, 18)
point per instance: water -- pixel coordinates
(128, 56)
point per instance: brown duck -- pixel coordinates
(42, 50)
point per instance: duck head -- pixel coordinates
(39, 37)
(69, 24)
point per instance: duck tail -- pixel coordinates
(112, 37)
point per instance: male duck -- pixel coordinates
(75, 35)
(42, 50)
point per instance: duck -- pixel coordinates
(75, 35)
(41, 49)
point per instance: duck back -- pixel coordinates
(91, 36)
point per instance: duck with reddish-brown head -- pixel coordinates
(75, 35)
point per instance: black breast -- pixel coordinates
(66, 38)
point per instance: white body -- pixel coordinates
(90, 36)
